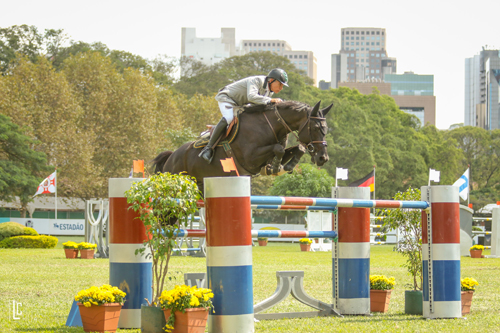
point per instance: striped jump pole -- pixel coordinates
(441, 253)
(351, 254)
(130, 272)
(229, 254)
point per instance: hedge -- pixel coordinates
(29, 242)
(9, 229)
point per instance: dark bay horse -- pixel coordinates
(260, 142)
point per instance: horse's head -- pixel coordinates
(313, 134)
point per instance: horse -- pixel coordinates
(257, 143)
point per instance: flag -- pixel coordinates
(48, 185)
(138, 165)
(228, 165)
(366, 181)
(434, 175)
(341, 173)
(463, 185)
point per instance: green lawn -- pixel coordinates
(45, 283)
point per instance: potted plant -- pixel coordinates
(164, 203)
(100, 308)
(468, 286)
(476, 251)
(87, 250)
(305, 244)
(262, 241)
(186, 308)
(409, 223)
(316, 240)
(70, 249)
(380, 292)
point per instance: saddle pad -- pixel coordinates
(202, 141)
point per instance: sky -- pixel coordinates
(426, 37)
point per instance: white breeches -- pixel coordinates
(227, 111)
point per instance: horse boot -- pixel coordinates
(207, 153)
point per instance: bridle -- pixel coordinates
(308, 146)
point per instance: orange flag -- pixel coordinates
(228, 165)
(139, 166)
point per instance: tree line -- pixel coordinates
(90, 111)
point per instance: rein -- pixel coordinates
(308, 146)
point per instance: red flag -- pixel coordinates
(48, 185)
(228, 165)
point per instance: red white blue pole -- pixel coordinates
(441, 252)
(351, 254)
(130, 272)
(229, 253)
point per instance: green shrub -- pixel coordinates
(9, 229)
(29, 242)
(30, 231)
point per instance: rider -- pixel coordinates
(254, 89)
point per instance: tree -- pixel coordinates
(306, 181)
(40, 100)
(20, 165)
(22, 39)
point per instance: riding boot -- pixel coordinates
(208, 152)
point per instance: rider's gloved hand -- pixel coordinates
(276, 100)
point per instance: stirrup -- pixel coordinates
(204, 152)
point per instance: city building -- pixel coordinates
(303, 60)
(481, 98)
(208, 50)
(412, 93)
(362, 56)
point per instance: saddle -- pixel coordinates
(204, 137)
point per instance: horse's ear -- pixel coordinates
(325, 110)
(314, 112)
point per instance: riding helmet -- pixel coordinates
(280, 75)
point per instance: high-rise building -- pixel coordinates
(481, 98)
(362, 56)
(208, 50)
(412, 93)
(303, 60)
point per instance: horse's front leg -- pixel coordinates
(262, 154)
(292, 157)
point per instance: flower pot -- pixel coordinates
(466, 301)
(100, 318)
(262, 243)
(192, 321)
(152, 319)
(379, 300)
(305, 247)
(71, 253)
(475, 253)
(87, 254)
(413, 302)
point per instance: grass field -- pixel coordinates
(44, 282)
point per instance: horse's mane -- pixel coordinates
(294, 105)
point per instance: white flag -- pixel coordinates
(341, 173)
(434, 175)
(463, 185)
(48, 185)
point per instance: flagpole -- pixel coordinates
(374, 187)
(55, 183)
(468, 186)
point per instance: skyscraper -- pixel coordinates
(362, 56)
(481, 98)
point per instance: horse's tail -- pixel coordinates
(160, 160)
